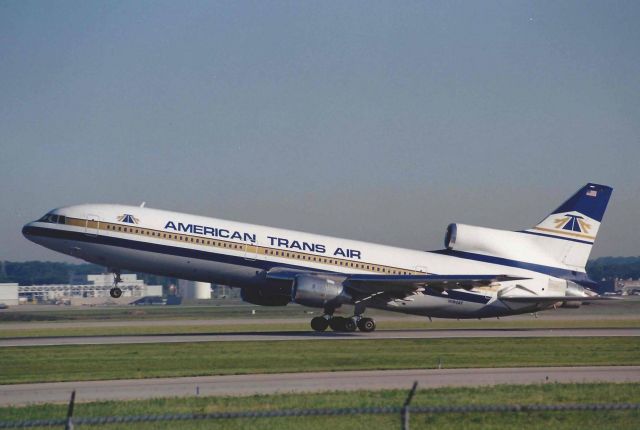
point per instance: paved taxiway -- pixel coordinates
(329, 335)
(128, 389)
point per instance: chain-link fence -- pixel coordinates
(403, 413)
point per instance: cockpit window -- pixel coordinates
(52, 218)
(62, 219)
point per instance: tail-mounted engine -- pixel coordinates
(318, 291)
(502, 243)
(470, 238)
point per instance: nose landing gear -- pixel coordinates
(116, 292)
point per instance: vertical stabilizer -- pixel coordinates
(575, 224)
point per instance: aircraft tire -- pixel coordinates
(319, 324)
(337, 323)
(115, 292)
(367, 324)
(349, 325)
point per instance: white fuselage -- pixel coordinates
(239, 255)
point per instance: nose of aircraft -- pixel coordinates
(27, 230)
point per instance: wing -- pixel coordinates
(399, 285)
(406, 284)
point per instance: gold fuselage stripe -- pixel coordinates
(250, 249)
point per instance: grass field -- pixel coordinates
(503, 394)
(621, 309)
(95, 362)
(47, 321)
(119, 313)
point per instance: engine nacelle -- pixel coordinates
(317, 291)
(259, 296)
(574, 290)
(463, 237)
(571, 305)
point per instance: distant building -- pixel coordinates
(9, 294)
(94, 290)
(627, 286)
(194, 290)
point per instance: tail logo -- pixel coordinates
(130, 219)
(572, 223)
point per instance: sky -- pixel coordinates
(370, 120)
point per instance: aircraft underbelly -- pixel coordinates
(439, 306)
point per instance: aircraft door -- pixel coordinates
(251, 251)
(92, 225)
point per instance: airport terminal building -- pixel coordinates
(92, 290)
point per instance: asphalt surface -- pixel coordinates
(236, 385)
(329, 335)
(252, 320)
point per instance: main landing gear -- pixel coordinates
(343, 324)
(116, 292)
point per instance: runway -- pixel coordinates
(237, 385)
(329, 335)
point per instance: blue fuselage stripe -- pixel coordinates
(547, 270)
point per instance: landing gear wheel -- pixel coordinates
(349, 325)
(366, 324)
(337, 323)
(319, 323)
(115, 292)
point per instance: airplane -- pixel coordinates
(480, 273)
